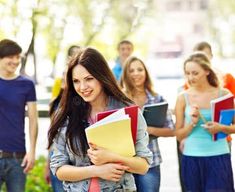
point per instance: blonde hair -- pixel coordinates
(201, 59)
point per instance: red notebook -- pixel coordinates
(132, 111)
(218, 104)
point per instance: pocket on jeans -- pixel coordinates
(18, 161)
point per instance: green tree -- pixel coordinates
(52, 20)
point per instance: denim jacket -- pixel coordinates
(63, 156)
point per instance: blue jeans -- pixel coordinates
(56, 184)
(150, 182)
(12, 174)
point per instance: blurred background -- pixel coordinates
(162, 31)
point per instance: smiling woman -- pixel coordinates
(91, 88)
(137, 85)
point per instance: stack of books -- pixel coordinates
(115, 130)
(222, 109)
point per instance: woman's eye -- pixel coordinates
(90, 78)
(75, 81)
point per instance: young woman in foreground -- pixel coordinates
(91, 88)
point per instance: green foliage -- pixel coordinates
(2, 1)
(35, 179)
(99, 23)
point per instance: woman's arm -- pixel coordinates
(110, 171)
(167, 131)
(227, 129)
(214, 127)
(101, 156)
(183, 129)
(161, 132)
(61, 167)
(136, 164)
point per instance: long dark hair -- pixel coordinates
(54, 104)
(73, 109)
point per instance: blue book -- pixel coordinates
(226, 118)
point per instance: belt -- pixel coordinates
(17, 155)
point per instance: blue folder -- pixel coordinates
(226, 118)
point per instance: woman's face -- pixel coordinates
(137, 73)
(87, 86)
(195, 74)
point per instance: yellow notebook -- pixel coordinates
(113, 133)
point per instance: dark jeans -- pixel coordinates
(150, 182)
(12, 174)
(56, 184)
